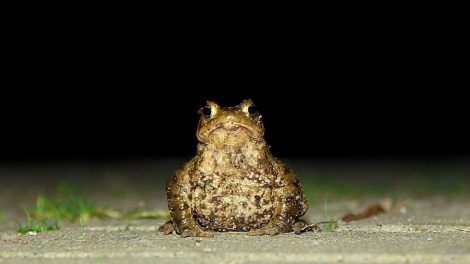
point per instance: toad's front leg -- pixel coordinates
(180, 210)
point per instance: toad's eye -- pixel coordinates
(252, 110)
(210, 110)
(207, 111)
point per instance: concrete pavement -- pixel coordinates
(430, 229)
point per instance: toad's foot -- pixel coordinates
(196, 233)
(272, 231)
(168, 228)
(303, 227)
(299, 227)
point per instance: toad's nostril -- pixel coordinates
(230, 118)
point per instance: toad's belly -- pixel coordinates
(232, 205)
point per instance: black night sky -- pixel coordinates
(338, 98)
(318, 122)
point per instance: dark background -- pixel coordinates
(346, 90)
(319, 122)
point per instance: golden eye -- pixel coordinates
(210, 110)
(207, 111)
(252, 110)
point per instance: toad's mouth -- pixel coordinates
(229, 129)
(232, 128)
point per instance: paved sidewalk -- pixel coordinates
(426, 230)
(430, 232)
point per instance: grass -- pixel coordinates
(146, 214)
(37, 226)
(68, 205)
(127, 227)
(315, 186)
(418, 181)
(77, 209)
(448, 185)
(73, 208)
(328, 227)
(33, 225)
(2, 217)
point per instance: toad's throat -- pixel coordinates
(232, 157)
(238, 141)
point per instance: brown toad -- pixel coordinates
(233, 183)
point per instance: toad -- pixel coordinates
(233, 184)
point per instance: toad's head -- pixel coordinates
(229, 126)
